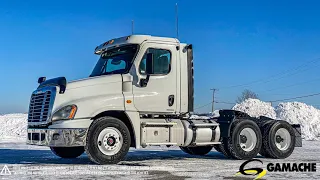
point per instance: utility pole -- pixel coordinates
(214, 90)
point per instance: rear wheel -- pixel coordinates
(245, 139)
(278, 140)
(264, 153)
(263, 128)
(67, 152)
(199, 150)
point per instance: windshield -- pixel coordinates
(115, 61)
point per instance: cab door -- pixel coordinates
(158, 95)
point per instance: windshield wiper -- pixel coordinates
(119, 71)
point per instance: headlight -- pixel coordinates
(65, 113)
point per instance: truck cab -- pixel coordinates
(139, 93)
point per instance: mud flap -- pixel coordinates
(226, 118)
(297, 132)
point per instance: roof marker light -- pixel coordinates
(105, 43)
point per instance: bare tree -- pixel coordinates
(246, 94)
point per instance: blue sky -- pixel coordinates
(235, 42)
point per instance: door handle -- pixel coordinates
(171, 100)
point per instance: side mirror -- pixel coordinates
(149, 64)
(41, 80)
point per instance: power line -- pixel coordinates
(218, 102)
(292, 85)
(214, 90)
(299, 97)
(202, 106)
(284, 74)
(222, 102)
(290, 74)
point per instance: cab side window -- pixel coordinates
(162, 61)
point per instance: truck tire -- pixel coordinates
(264, 153)
(199, 150)
(224, 147)
(217, 147)
(67, 152)
(263, 125)
(278, 140)
(108, 140)
(245, 139)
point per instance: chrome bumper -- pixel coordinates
(57, 137)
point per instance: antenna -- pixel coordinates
(177, 25)
(132, 26)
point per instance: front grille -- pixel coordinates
(40, 106)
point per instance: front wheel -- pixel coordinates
(108, 140)
(199, 150)
(67, 152)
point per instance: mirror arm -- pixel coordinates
(144, 82)
(147, 78)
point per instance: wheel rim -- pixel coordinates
(247, 139)
(110, 141)
(282, 139)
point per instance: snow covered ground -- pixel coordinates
(32, 162)
(13, 126)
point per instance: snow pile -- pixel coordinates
(256, 108)
(209, 115)
(299, 113)
(293, 112)
(194, 116)
(13, 126)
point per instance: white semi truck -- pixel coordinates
(140, 94)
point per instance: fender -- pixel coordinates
(227, 117)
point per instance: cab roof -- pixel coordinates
(132, 39)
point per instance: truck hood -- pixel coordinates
(93, 81)
(92, 94)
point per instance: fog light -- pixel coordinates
(55, 136)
